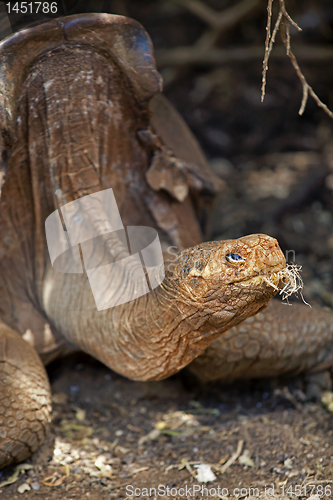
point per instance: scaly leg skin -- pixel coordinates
(281, 339)
(25, 398)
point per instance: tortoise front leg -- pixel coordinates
(280, 339)
(25, 398)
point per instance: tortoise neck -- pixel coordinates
(149, 338)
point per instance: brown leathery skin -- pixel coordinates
(281, 339)
(158, 334)
(25, 398)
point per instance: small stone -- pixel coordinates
(245, 459)
(205, 473)
(288, 463)
(160, 425)
(80, 415)
(23, 487)
(35, 486)
(327, 400)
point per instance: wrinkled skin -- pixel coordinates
(89, 127)
(155, 336)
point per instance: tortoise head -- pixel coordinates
(228, 280)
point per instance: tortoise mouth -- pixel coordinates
(285, 279)
(272, 274)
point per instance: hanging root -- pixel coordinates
(283, 23)
(291, 279)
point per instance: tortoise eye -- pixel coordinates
(234, 258)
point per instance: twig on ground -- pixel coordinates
(283, 23)
(233, 457)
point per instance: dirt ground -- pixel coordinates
(113, 435)
(114, 438)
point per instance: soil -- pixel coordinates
(110, 435)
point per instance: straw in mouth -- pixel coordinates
(291, 279)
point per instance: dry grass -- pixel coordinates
(291, 279)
